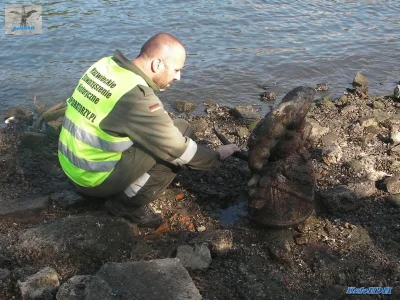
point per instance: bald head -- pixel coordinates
(161, 58)
(160, 45)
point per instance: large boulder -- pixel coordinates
(159, 279)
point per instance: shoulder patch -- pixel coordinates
(155, 107)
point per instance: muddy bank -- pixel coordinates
(351, 239)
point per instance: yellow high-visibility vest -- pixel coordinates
(87, 154)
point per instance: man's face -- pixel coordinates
(170, 68)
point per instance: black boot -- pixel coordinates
(143, 216)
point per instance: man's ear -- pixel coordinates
(155, 65)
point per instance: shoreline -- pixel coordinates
(351, 239)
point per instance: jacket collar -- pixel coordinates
(125, 63)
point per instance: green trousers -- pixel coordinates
(139, 177)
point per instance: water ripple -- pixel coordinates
(232, 46)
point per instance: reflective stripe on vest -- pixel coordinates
(94, 140)
(87, 154)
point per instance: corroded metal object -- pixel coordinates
(281, 190)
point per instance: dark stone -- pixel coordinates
(363, 189)
(242, 132)
(338, 199)
(360, 82)
(393, 184)
(184, 106)
(195, 258)
(246, 112)
(74, 288)
(268, 96)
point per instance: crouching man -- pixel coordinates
(117, 141)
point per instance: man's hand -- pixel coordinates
(226, 151)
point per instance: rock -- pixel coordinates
(360, 82)
(332, 154)
(395, 164)
(54, 127)
(242, 132)
(381, 116)
(21, 115)
(322, 87)
(278, 244)
(378, 105)
(394, 200)
(342, 100)
(200, 126)
(32, 140)
(396, 92)
(301, 239)
(195, 258)
(357, 239)
(26, 209)
(368, 121)
(317, 131)
(67, 199)
(159, 279)
(219, 240)
(210, 103)
(40, 286)
(338, 199)
(363, 189)
(330, 139)
(348, 109)
(74, 288)
(355, 165)
(372, 130)
(395, 133)
(245, 112)
(326, 103)
(184, 106)
(268, 96)
(393, 184)
(77, 239)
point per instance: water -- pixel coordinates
(233, 46)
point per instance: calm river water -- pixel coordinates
(233, 46)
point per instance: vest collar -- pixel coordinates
(123, 62)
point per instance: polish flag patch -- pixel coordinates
(154, 107)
